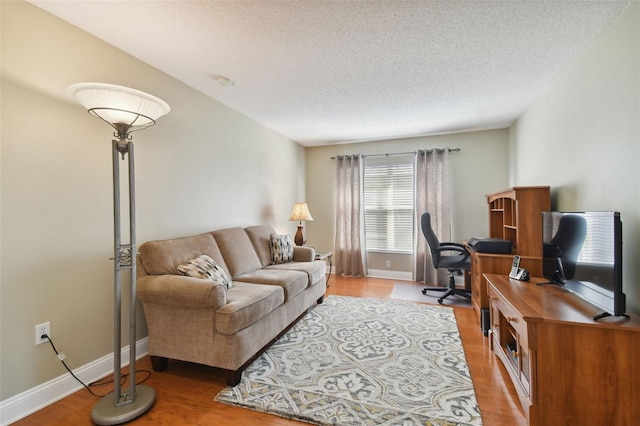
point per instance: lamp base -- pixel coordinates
(105, 411)
(299, 239)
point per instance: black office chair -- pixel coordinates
(454, 263)
(566, 244)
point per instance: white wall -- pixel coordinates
(582, 137)
(202, 167)
(479, 168)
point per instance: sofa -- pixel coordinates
(245, 303)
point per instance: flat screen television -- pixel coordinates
(582, 252)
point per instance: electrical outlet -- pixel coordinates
(388, 264)
(44, 328)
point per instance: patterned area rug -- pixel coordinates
(355, 361)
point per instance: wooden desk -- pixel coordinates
(515, 214)
(567, 369)
(487, 263)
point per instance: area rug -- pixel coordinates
(362, 361)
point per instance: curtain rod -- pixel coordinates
(402, 153)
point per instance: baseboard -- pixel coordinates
(392, 275)
(32, 400)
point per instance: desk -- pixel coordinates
(489, 263)
(327, 256)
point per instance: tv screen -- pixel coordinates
(582, 252)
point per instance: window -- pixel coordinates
(388, 204)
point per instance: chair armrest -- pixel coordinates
(451, 243)
(180, 291)
(455, 247)
(304, 254)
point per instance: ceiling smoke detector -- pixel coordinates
(223, 81)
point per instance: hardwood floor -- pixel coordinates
(185, 391)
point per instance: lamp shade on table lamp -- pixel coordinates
(300, 213)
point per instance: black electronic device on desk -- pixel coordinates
(490, 245)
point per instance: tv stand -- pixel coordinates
(607, 314)
(566, 368)
(549, 283)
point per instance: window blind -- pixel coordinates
(388, 204)
(598, 246)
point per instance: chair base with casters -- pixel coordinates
(451, 289)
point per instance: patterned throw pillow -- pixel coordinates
(281, 249)
(206, 268)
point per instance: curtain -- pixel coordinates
(349, 216)
(432, 195)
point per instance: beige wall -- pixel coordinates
(200, 168)
(399, 262)
(478, 169)
(582, 137)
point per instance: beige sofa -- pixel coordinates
(192, 319)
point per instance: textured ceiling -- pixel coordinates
(323, 72)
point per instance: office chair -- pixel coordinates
(567, 243)
(454, 263)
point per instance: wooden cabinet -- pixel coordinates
(567, 369)
(515, 214)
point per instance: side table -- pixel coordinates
(327, 256)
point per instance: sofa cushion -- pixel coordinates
(237, 251)
(247, 304)
(315, 270)
(260, 236)
(205, 268)
(281, 249)
(291, 281)
(162, 257)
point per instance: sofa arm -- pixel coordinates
(304, 254)
(180, 291)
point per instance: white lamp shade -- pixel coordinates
(120, 105)
(300, 212)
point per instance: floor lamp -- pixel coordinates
(126, 110)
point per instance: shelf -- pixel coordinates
(512, 352)
(514, 215)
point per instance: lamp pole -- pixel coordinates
(126, 110)
(119, 407)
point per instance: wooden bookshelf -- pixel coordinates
(515, 215)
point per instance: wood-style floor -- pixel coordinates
(185, 391)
